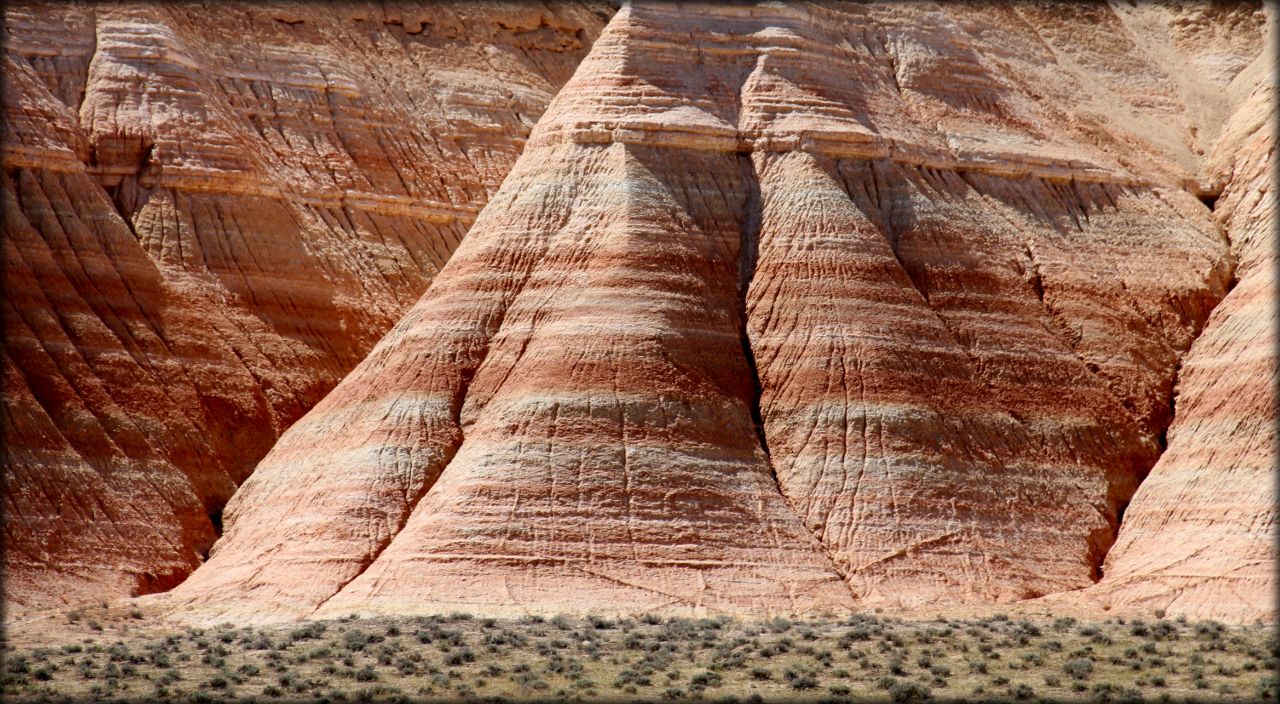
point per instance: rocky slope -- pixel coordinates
(1199, 537)
(783, 309)
(211, 214)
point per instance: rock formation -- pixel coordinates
(211, 214)
(784, 308)
(1199, 537)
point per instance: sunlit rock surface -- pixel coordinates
(212, 212)
(793, 308)
(1199, 537)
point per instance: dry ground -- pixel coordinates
(120, 654)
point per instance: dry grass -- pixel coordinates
(462, 657)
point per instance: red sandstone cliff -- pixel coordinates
(1199, 537)
(211, 214)
(793, 308)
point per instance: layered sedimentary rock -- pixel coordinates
(783, 309)
(211, 215)
(1199, 537)
(579, 370)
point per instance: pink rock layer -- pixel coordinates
(784, 309)
(211, 215)
(1199, 538)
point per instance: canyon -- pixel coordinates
(762, 308)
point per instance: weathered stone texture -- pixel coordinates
(211, 214)
(785, 308)
(1199, 537)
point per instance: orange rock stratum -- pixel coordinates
(782, 308)
(211, 214)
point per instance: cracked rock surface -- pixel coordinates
(1199, 537)
(211, 214)
(788, 309)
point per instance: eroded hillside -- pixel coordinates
(802, 307)
(212, 212)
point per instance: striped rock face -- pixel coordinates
(211, 215)
(1199, 537)
(783, 309)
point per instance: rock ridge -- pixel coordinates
(954, 377)
(1198, 537)
(211, 215)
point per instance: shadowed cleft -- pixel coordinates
(747, 256)
(215, 518)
